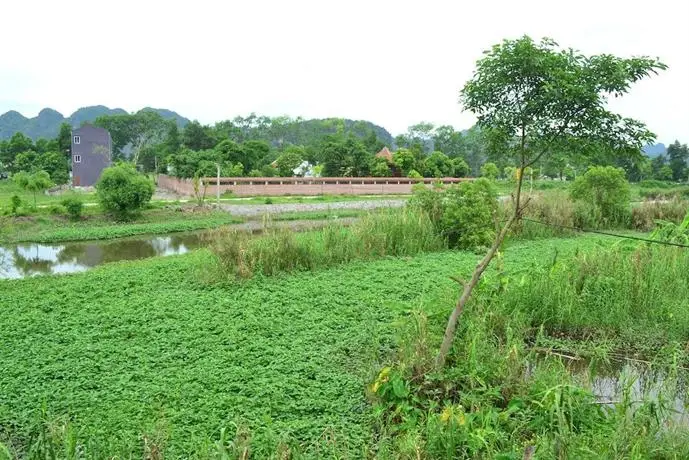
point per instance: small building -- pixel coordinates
(91, 154)
(385, 153)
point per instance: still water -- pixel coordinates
(29, 259)
(634, 382)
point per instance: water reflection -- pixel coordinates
(630, 381)
(29, 259)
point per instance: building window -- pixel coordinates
(77, 139)
(77, 158)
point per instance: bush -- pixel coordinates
(414, 174)
(606, 190)
(490, 171)
(462, 213)
(122, 191)
(15, 204)
(74, 206)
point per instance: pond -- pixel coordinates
(29, 259)
(633, 381)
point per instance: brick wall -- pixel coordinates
(276, 186)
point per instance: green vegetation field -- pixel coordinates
(45, 227)
(152, 349)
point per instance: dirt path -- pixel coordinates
(261, 209)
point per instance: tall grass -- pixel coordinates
(389, 233)
(620, 293)
(498, 399)
(558, 210)
(645, 215)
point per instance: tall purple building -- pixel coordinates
(91, 153)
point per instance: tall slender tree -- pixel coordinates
(534, 98)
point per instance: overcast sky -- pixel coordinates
(394, 63)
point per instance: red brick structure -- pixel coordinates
(276, 186)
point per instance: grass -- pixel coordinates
(9, 188)
(143, 350)
(47, 228)
(386, 233)
(499, 396)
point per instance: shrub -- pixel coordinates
(462, 213)
(74, 206)
(122, 191)
(414, 174)
(606, 190)
(15, 203)
(490, 171)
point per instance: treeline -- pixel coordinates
(262, 146)
(20, 153)
(282, 146)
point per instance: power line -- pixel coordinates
(628, 237)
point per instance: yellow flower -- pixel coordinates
(454, 413)
(383, 377)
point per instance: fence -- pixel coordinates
(276, 186)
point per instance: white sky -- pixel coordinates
(394, 63)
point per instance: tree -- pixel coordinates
(460, 167)
(665, 173)
(172, 141)
(55, 164)
(490, 171)
(344, 156)
(17, 144)
(380, 167)
(405, 160)
(197, 137)
(656, 164)
(437, 164)
(534, 98)
(34, 182)
(678, 155)
(449, 141)
(288, 161)
(139, 131)
(64, 140)
(122, 191)
(475, 149)
(254, 153)
(418, 139)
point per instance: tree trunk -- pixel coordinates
(476, 276)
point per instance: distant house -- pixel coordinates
(385, 153)
(91, 153)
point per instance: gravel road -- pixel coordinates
(249, 210)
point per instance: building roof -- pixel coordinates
(385, 153)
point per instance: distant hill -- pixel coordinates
(47, 123)
(654, 150)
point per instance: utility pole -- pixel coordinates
(217, 187)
